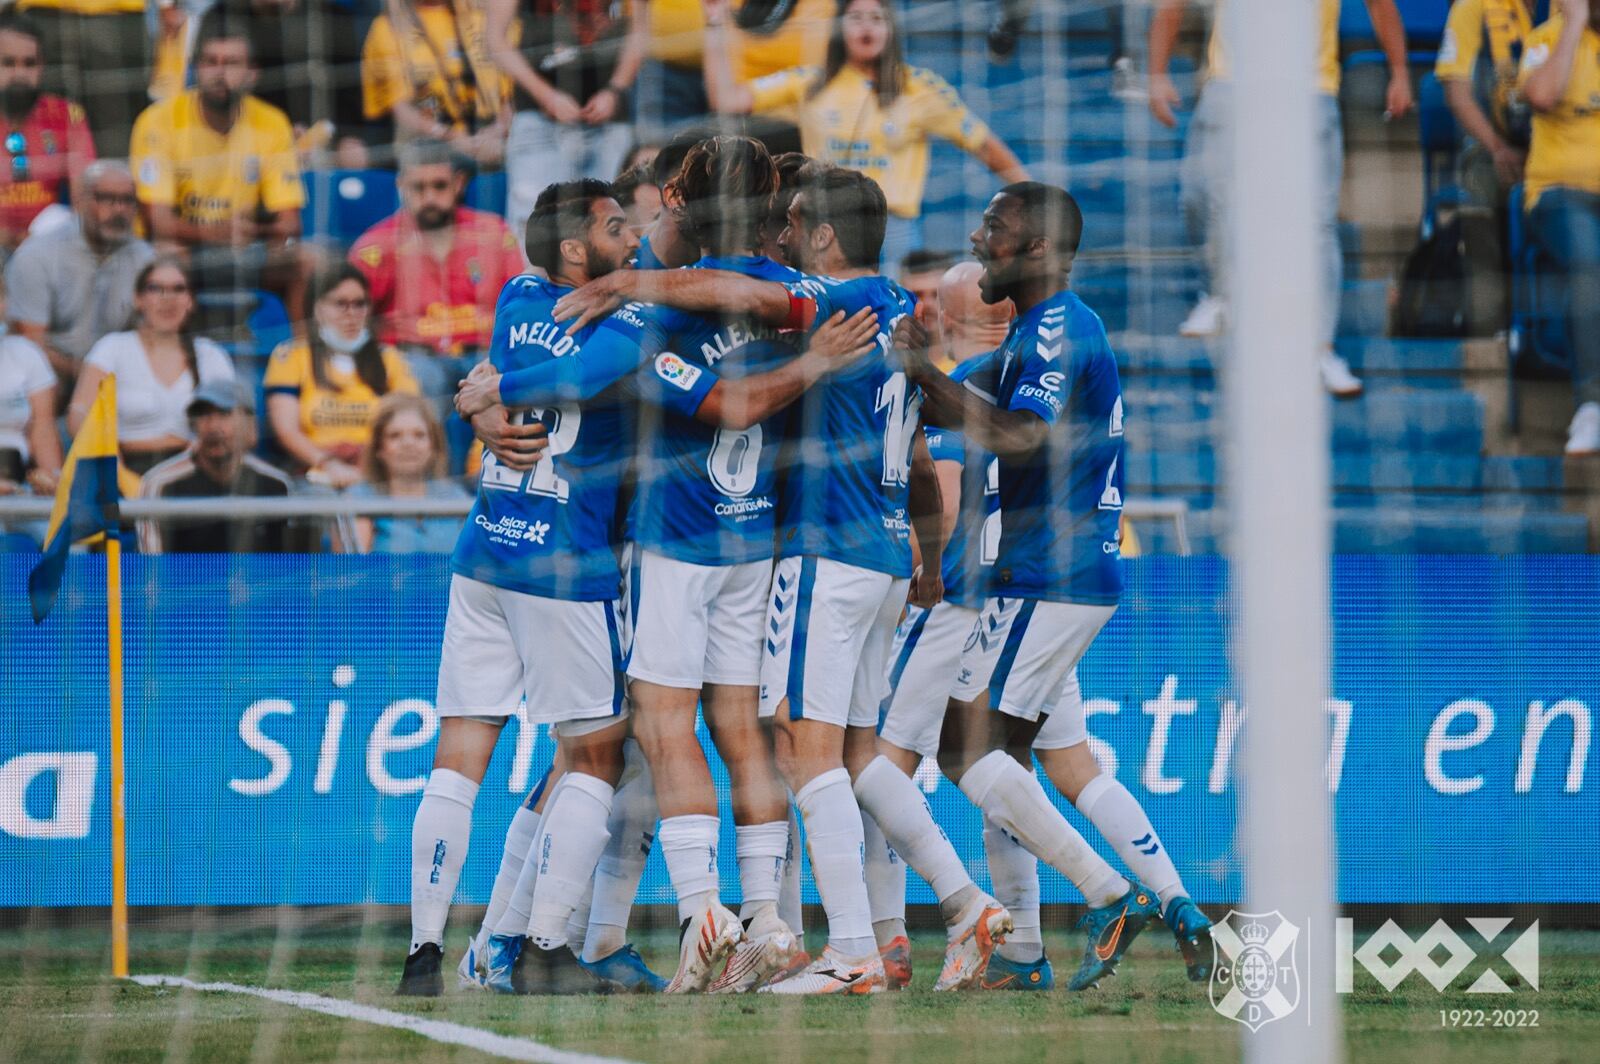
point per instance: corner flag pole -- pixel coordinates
(119, 823)
(119, 826)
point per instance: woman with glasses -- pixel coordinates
(405, 458)
(158, 362)
(865, 110)
(30, 450)
(323, 391)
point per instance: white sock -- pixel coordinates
(790, 908)
(616, 877)
(570, 840)
(901, 810)
(1118, 816)
(1013, 798)
(762, 849)
(1014, 873)
(833, 839)
(518, 912)
(519, 840)
(439, 837)
(886, 883)
(689, 845)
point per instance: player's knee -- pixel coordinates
(1070, 769)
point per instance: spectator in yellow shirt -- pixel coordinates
(1561, 81)
(323, 391)
(99, 56)
(1486, 34)
(426, 64)
(217, 178)
(766, 36)
(865, 110)
(1207, 173)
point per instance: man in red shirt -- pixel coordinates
(46, 138)
(436, 269)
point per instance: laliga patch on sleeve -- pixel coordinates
(675, 371)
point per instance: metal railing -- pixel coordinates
(334, 507)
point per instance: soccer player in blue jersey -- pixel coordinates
(926, 663)
(860, 482)
(1048, 405)
(533, 610)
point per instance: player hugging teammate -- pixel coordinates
(773, 422)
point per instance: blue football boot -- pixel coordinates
(500, 959)
(1003, 974)
(1192, 929)
(626, 971)
(1112, 930)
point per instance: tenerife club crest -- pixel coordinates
(1255, 977)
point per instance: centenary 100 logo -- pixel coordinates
(1520, 956)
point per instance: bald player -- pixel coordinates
(968, 326)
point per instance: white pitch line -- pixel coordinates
(438, 1030)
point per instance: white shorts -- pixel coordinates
(1066, 725)
(1021, 651)
(830, 629)
(501, 646)
(927, 656)
(695, 624)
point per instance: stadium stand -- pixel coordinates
(1434, 458)
(1426, 462)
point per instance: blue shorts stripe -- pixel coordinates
(797, 641)
(618, 662)
(538, 789)
(634, 565)
(1008, 653)
(901, 662)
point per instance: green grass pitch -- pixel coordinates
(58, 1004)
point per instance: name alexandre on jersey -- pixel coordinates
(735, 336)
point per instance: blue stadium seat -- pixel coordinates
(487, 192)
(17, 543)
(269, 322)
(343, 204)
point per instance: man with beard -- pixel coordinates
(73, 284)
(436, 269)
(47, 138)
(218, 179)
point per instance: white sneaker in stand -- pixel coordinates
(1583, 435)
(1205, 319)
(1337, 378)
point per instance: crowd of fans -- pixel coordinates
(148, 267)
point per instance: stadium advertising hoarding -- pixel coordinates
(280, 730)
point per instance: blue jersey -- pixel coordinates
(706, 495)
(845, 490)
(974, 541)
(1060, 504)
(552, 531)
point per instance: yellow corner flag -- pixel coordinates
(87, 500)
